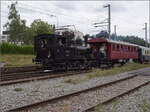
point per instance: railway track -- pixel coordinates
(58, 102)
(7, 70)
(13, 78)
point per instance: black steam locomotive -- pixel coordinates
(61, 52)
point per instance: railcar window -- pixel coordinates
(122, 48)
(113, 45)
(118, 47)
(125, 49)
(134, 49)
(131, 49)
(128, 48)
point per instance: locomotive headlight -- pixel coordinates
(43, 43)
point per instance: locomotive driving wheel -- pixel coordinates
(77, 63)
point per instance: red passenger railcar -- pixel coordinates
(115, 51)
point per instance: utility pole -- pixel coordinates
(115, 30)
(145, 28)
(106, 22)
(109, 18)
(56, 19)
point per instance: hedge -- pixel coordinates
(16, 49)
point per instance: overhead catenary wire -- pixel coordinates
(43, 11)
(59, 12)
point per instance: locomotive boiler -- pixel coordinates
(59, 52)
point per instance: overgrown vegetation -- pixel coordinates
(106, 72)
(16, 49)
(18, 89)
(99, 108)
(67, 106)
(113, 108)
(72, 80)
(17, 60)
(145, 106)
(116, 70)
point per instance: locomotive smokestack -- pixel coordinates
(86, 39)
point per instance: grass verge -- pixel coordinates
(17, 60)
(107, 72)
(145, 106)
(116, 70)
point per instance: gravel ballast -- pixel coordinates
(139, 101)
(41, 90)
(79, 102)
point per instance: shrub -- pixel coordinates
(18, 89)
(16, 49)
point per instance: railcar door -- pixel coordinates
(103, 50)
(140, 55)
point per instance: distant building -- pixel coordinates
(77, 34)
(3, 38)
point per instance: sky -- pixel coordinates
(128, 16)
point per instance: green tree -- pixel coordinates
(28, 36)
(15, 25)
(40, 27)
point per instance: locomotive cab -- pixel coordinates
(44, 46)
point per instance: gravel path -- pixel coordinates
(79, 102)
(41, 90)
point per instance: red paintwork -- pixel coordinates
(97, 40)
(111, 54)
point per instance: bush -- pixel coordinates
(16, 49)
(18, 89)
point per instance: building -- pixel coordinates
(3, 38)
(77, 34)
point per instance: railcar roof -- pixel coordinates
(99, 40)
(120, 42)
(146, 48)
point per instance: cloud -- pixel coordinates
(118, 8)
(128, 16)
(26, 10)
(65, 6)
